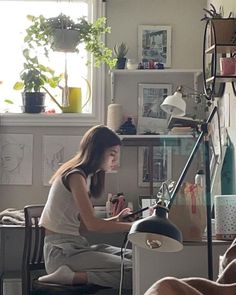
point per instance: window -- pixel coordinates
(13, 23)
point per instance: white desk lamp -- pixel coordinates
(175, 104)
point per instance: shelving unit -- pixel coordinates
(152, 72)
(219, 41)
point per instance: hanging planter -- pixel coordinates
(65, 40)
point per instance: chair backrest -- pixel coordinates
(33, 246)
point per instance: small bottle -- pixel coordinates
(109, 205)
(200, 178)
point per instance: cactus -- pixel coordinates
(120, 50)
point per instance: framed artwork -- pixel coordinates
(162, 165)
(151, 118)
(154, 43)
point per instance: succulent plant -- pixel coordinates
(120, 50)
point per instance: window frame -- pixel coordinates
(69, 119)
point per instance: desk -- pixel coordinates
(149, 266)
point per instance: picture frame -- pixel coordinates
(154, 43)
(162, 165)
(151, 118)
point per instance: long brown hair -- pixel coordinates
(89, 158)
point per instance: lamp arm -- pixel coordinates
(204, 131)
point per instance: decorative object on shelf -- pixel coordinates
(120, 51)
(131, 64)
(154, 43)
(162, 159)
(225, 217)
(151, 118)
(114, 116)
(156, 232)
(227, 66)
(127, 128)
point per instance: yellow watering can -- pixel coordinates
(73, 97)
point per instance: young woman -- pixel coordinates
(69, 258)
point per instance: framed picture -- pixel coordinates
(162, 165)
(151, 118)
(154, 43)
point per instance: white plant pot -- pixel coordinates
(65, 40)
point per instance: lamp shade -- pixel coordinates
(156, 233)
(174, 104)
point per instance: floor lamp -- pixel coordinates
(157, 232)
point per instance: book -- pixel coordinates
(178, 121)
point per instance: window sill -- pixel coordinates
(13, 119)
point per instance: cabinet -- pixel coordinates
(219, 41)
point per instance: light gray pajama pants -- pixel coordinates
(102, 262)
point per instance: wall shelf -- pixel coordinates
(154, 72)
(219, 41)
(165, 72)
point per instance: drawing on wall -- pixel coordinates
(56, 151)
(16, 152)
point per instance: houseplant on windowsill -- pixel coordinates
(35, 76)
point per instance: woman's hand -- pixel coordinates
(123, 216)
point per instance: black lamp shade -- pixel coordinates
(156, 233)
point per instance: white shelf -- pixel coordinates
(155, 72)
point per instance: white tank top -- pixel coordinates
(61, 213)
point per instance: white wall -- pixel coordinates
(124, 16)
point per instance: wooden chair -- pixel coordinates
(33, 262)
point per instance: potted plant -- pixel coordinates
(61, 33)
(120, 51)
(43, 34)
(34, 77)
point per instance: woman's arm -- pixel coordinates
(78, 187)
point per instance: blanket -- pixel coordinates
(225, 284)
(12, 216)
